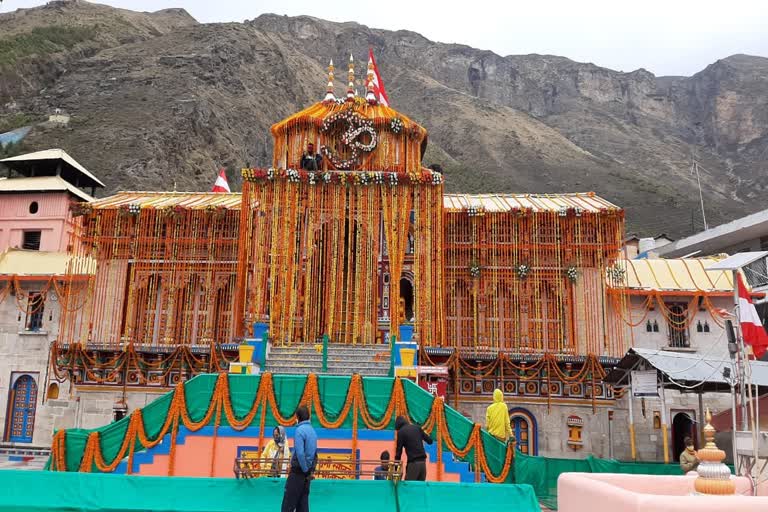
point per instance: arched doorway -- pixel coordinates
(22, 402)
(406, 298)
(53, 391)
(682, 427)
(525, 429)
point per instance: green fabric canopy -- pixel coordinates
(287, 390)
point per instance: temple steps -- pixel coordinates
(30, 458)
(372, 360)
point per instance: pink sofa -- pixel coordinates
(596, 492)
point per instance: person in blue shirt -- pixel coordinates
(382, 472)
(303, 462)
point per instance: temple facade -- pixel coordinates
(358, 242)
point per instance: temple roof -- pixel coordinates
(23, 262)
(588, 202)
(41, 184)
(158, 200)
(684, 275)
(53, 162)
(315, 114)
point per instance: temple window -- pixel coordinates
(31, 240)
(677, 328)
(35, 307)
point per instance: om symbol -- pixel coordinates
(355, 128)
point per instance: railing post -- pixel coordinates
(326, 339)
(392, 342)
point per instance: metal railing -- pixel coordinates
(335, 468)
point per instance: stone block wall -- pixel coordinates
(552, 428)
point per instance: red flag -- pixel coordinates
(751, 328)
(221, 184)
(378, 84)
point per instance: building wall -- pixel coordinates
(24, 352)
(711, 344)
(552, 431)
(51, 219)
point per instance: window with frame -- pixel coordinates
(35, 310)
(677, 329)
(31, 240)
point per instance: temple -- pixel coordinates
(346, 256)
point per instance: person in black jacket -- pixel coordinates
(411, 437)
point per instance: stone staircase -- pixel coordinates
(368, 360)
(30, 458)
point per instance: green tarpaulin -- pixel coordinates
(287, 391)
(59, 491)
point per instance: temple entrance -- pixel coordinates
(682, 427)
(525, 430)
(22, 403)
(406, 299)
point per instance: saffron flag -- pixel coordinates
(751, 327)
(221, 184)
(378, 84)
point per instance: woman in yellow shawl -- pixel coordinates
(278, 453)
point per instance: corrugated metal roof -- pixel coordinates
(157, 200)
(22, 262)
(42, 184)
(54, 154)
(588, 202)
(687, 275)
(685, 368)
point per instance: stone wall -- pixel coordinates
(552, 430)
(27, 353)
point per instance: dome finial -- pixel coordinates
(351, 85)
(714, 476)
(370, 95)
(329, 96)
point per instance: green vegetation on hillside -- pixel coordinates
(42, 41)
(11, 149)
(14, 121)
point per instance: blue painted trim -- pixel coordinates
(533, 428)
(451, 465)
(148, 456)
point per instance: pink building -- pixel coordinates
(35, 196)
(36, 192)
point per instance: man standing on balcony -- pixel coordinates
(303, 462)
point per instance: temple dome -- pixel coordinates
(352, 135)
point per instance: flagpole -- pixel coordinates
(741, 353)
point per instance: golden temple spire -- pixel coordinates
(370, 96)
(329, 96)
(351, 85)
(714, 476)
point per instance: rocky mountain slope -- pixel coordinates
(157, 99)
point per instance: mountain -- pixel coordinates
(158, 100)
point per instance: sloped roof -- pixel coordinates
(53, 154)
(684, 369)
(684, 275)
(23, 262)
(41, 184)
(157, 200)
(587, 201)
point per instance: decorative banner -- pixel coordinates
(644, 383)
(248, 452)
(437, 388)
(336, 464)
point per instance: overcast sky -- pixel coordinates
(667, 37)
